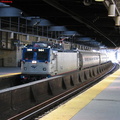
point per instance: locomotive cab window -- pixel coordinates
(42, 55)
(28, 55)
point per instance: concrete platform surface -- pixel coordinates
(106, 106)
(9, 70)
(100, 102)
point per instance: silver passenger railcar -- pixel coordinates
(88, 59)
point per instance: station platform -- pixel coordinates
(4, 71)
(100, 102)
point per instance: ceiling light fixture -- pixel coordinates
(99, 0)
(111, 10)
(117, 21)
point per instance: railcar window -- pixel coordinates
(28, 55)
(42, 56)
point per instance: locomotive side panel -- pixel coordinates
(67, 61)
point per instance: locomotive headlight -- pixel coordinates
(41, 50)
(25, 68)
(44, 69)
(29, 49)
(34, 61)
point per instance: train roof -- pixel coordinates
(45, 45)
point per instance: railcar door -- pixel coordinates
(80, 60)
(54, 69)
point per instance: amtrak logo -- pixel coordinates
(33, 66)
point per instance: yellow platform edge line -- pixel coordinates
(7, 75)
(69, 109)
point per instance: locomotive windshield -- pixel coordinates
(36, 54)
(42, 55)
(28, 55)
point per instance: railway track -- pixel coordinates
(39, 109)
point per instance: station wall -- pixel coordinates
(8, 58)
(11, 44)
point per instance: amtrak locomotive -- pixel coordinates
(40, 60)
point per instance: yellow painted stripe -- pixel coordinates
(69, 109)
(7, 75)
